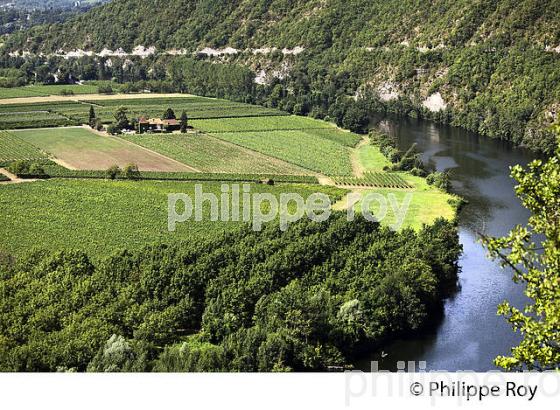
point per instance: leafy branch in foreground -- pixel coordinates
(536, 263)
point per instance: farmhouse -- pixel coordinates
(157, 125)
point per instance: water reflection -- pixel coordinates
(470, 334)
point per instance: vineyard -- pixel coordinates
(195, 107)
(209, 154)
(54, 170)
(296, 147)
(374, 180)
(66, 113)
(13, 148)
(345, 138)
(274, 123)
(33, 119)
(101, 217)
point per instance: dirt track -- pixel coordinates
(13, 178)
(88, 97)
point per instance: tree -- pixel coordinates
(122, 119)
(536, 263)
(356, 118)
(113, 172)
(131, 172)
(92, 117)
(115, 356)
(19, 167)
(440, 180)
(169, 114)
(184, 122)
(98, 124)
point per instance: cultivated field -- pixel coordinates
(18, 92)
(259, 124)
(80, 148)
(75, 111)
(427, 203)
(297, 147)
(345, 138)
(13, 148)
(55, 89)
(104, 216)
(230, 139)
(209, 154)
(375, 180)
(195, 107)
(32, 119)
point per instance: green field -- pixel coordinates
(372, 159)
(259, 124)
(116, 214)
(59, 113)
(209, 154)
(33, 119)
(375, 180)
(427, 203)
(103, 216)
(297, 147)
(59, 89)
(346, 138)
(195, 107)
(54, 89)
(13, 148)
(18, 92)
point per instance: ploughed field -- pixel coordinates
(79, 148)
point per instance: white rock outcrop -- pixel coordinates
(435, 103)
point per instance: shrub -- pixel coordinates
(440, 180)
(113, 172)
(98, 125)
(19, 167)
(27, 169)
(105, 89)
(36, 170)
(113, 129)
(392, 154)
(382, 140)
(418, 172)
(66, 92)
(131, 172)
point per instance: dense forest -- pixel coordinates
(22, 15)
(48, 4)
(490, 66)
(310, 298)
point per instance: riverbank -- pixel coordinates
(469, 334)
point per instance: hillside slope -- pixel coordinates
(492, 66)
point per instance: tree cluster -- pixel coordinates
(310, 298)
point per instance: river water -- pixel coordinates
(470, 334)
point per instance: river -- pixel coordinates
(470, 334)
